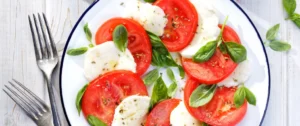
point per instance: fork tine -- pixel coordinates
(23, 100)
(53, 47)
(44, 53)
(33, 95)
(36, 49)
(39, 107)
(24, 107)
(47, 44)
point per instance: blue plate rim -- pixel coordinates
(96, 1)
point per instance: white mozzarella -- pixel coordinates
(107, 57)
(151, 17)
(132, 111)
(207, 30)
(239, 75)
(181, 117)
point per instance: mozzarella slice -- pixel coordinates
(151, 17)
(107, 57)
(207, 30)
(239, 75)
(181, 117)
(132, 111)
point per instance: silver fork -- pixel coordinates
(33, 106)
(46, 57)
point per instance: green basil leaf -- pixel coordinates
(159, 92)
(78, 98)
(172, 89)
(239, 97)
(205, 52)
(202, 95)
(203, 124)
(94, 121)
(77, 51)
(279, 46)
(120, 37)
(237, 52)
(150, 1)
(223, 48)
(272, 32)
(171, 74)
(296, 19)
(181, 71)
(250, 97)
(289, 6)
(160, 55)
(87, 31)
(151, 77)
(91, 45)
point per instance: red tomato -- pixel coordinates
(182, 23)
(138, 41)
(220, 111)
(215, 69)
(105, 92)
(160, 114)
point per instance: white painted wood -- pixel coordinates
(17, 56)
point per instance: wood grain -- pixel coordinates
(18, 60)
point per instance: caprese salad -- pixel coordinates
(164, 63)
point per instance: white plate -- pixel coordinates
(72, 78)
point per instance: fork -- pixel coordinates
(46, 57)
(33, 106)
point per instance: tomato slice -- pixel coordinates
(160, 114)
(220, 111)
(138, 41)
(182, 23)
(218, 67)
(105, 92)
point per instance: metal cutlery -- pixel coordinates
(46, 56)
(33, 106)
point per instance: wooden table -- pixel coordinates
(18, 60)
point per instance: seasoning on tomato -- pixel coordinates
(160, 114)
(138, 41)
(182, 23)
(218, 67)
(220, 111)
(103, 95)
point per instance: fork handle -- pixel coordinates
(56, 120)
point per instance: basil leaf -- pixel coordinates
(272, 32)
(77, 51)
(171, 74)
(87, 31)
(289, 6)
(78, 98)
(205, 52)
(250, 97)
(223, 48)
(203, 124)
(159, 92)
(160, 55)
(181, 72)
(237, 52)
(91, 45)
(151, 77)
(150, 1)
(202, 95)
(296, 19)
(172, 89)
(279, 46)
(239, 97)
(120, 37)
(94, 121)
